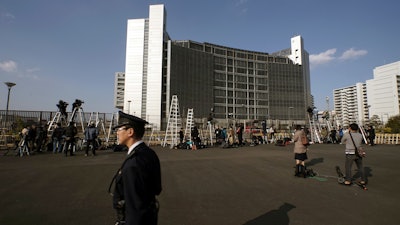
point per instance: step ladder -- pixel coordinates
(363, 132)
(315, 134)
(189, 125)
(54, 121)
(78, 110)
(155, 134)
(99, 122)
(329, 125)
(174, 124)
(210, 129)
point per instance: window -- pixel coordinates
(220, 51)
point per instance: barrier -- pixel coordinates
(391, 139)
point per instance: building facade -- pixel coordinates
(384, 91)
(350, 104)
(119, 89)
(224, 82)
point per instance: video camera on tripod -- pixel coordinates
(62, 107)
(78, 103)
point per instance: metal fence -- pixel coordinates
(9, 119)
(13, 121)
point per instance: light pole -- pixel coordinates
(129, 106)
(290, 119)
(9, 85)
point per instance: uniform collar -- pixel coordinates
(134, 146)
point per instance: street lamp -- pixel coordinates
(9, 85)
(290, 109)
(129, 106)
(247, 108)
(290, 119)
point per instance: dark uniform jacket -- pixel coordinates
(137, 184)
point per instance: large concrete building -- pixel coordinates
(212, 79)
(384, 91)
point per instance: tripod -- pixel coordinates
(78, 110)
(55, 120)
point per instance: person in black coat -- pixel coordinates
(371, 135)
(138, 181)
(70, 132)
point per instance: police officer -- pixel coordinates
(138, 181)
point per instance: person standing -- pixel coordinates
(239, 133)
(272, 133)
(41, 136)
(218, 135)
(300, 152)
(231, 137)
(91, 134)
(340, 134)
(264, 131)
(31, 138)
(195, 138)
(371, 135)
(70, 133)
(181, 136)
(138, 181)
(353, 140)
(56, 137)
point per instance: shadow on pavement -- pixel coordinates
(274, 217)
(313, 162)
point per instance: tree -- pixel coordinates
(394, 124)
(375, 121)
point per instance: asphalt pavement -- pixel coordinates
(212, 186)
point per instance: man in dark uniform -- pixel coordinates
(138, 181)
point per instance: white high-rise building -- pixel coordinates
(384, 91)
(351, 104)
(143, 66)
